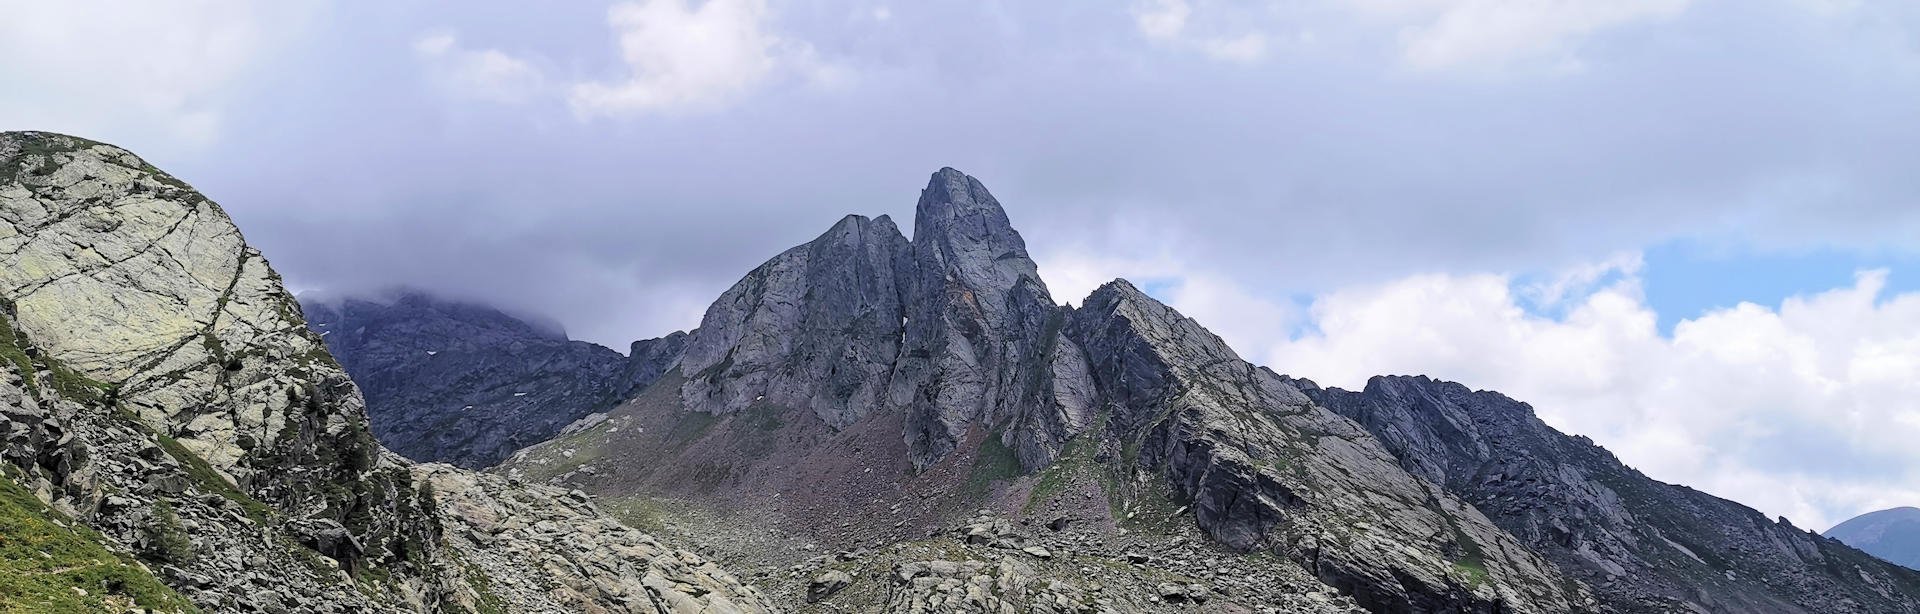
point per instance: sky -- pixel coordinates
(1685, 228)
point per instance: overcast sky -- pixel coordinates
(1686, 228)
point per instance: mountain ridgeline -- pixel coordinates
(910, 383)
(466, 384)
(1892, 534)
(866, 422)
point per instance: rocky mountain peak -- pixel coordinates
(961, 234)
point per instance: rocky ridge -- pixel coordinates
(864, 373)
(161, 390)
(465, 384)
(1643, 545)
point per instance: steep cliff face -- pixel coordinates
(162, 389)
(953, 330)
(1266, 469)
(983, 343)
(1644, 546)
(816, 327)
(467, 384)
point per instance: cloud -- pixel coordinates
(1166, 22)
(1162, 19)
(159, 71)
(1805, 409)
(1492, 34)
(485, 74)
(681, 57)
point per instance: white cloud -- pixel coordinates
(1243, 48)
(1162, 19)
(680, 56)
(1807, 409)
(1166, 22)
(137, 71)
(485, 74)
(1478, 34)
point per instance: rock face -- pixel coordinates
(983, 334)
(1266, 469)
(865, 390)
(953, 329)
(816, 327)
(1893, 535)
(950, 346)
(162, 389)
(467, 384)
(1644, 546)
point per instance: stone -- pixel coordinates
(826, 584)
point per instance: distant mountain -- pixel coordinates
(468, 384)
(1892, 534)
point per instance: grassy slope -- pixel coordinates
(51, 565)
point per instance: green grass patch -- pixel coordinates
(11, 351)
(485, 600)
(44, 557)
(691, 426)
(1075, 459)
(642, 513)
(210, 480)
(994, 463)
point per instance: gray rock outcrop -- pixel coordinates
(161, 388)
(1645, 546)
(1266, 469)
(816, 327)
(954, 329)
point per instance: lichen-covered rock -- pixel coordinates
(160, 386)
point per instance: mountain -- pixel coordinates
(924, 407)
(1641, 544)
(466, 384)
(865, 375)
(176, 439)
(1892, 534)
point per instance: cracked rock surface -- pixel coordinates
(161, 389)
(1644, 546)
